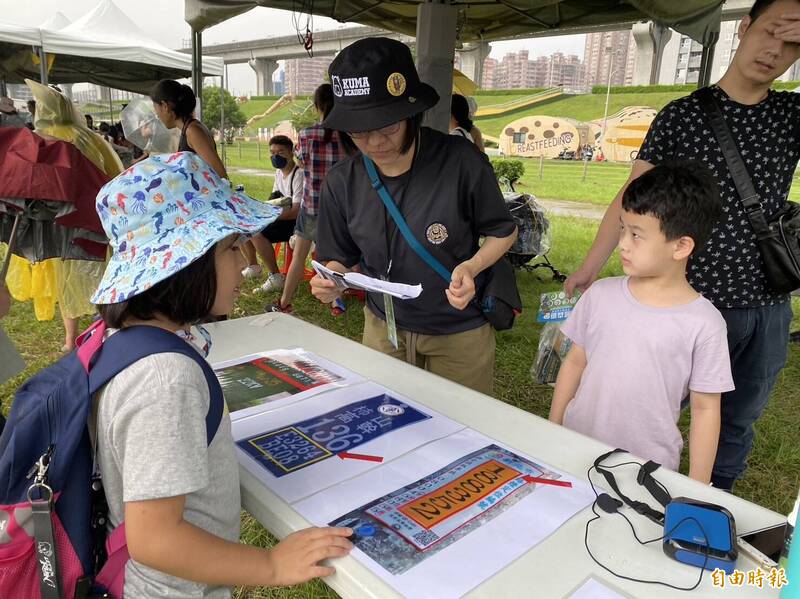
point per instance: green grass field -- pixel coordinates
(585, 107)
(582, 108)
(561, 179)
(774, 474)
(772, 479)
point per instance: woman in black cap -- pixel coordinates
(447, 193)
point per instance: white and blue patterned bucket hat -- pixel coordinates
(164, 213)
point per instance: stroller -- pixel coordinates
(533, 240)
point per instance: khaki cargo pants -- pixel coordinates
(466, 358)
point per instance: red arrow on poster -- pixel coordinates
(546, 481)
(360, 456)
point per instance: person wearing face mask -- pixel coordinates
(288, 185)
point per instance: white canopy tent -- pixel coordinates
(103, 47)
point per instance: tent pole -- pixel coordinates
(223, 81)
(197, 70)
(707, 60)
(42, 65)
(3, 89)
(710, 38)
(111, 105)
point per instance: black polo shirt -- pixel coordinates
(729, 270)
(449, 198)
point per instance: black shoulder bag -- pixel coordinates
(779, 239)
(500, 301)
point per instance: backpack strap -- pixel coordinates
(130, 345)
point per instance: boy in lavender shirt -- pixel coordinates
(642, 342)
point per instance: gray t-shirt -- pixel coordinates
(151, 436)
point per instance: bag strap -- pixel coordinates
(398, 219)
(130, 345)
(741, 178)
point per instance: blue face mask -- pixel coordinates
(279, 161)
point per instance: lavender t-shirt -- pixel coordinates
(641, 362)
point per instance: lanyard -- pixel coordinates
(389, 237)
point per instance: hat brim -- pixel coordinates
(136, 270)
(357, 118)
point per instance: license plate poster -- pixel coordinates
(291, 448)
(260, 379)
(413, 523)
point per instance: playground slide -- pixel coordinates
(501, 109)
(282, 101)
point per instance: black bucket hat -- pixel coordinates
(375, 84)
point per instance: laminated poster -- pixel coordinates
(443, 518)
(254, 383)
(407, 526)
(308, 446)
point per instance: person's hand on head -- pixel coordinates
(296, 558)
(5, 300)
(462, 286)
(788, 28)
(324, 290)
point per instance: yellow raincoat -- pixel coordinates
(70, 283)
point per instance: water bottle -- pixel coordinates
(790, 557)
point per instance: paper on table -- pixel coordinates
(485, 530)
(268, 380)
(594, 589)
(297, 450)
(356, 280)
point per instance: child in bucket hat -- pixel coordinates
(164, 213)
(174, 227)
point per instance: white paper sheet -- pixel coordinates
(594, 589)
(286, 376)
(485, 544)
(356, 280)
(327, 425)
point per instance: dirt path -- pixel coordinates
(556, 207)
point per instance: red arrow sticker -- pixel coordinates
(547, 481)
(360, 456)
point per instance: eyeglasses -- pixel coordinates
(387, 130)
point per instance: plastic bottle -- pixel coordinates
(790, 557)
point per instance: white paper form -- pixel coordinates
(594, 589)
(465, 498)
(356, 280)
(265, 381)
(305, 447)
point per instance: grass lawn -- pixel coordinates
(284, 113)
(248, 154)
(772, 479)
(254, 107)
(561, 179)
(585, 107)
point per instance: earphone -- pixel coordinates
(612, 505)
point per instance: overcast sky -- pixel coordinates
(163, 21)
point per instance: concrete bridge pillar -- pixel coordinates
(264, 69)
(650, 38)
(472, 57)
